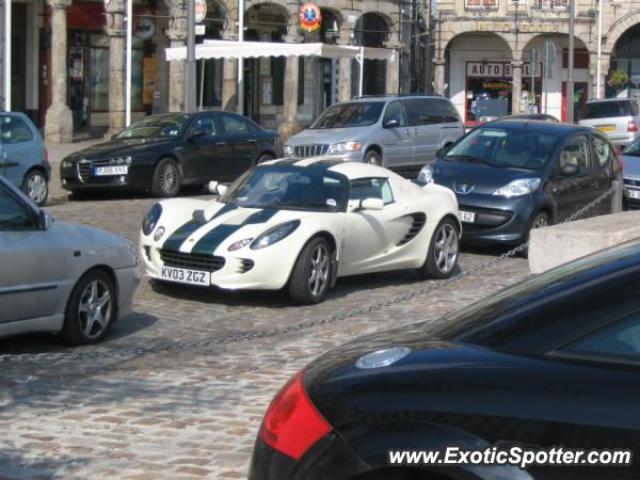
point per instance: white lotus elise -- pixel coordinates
(301, 224)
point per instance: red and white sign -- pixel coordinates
(310, 17)
(498, 70)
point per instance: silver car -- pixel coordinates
(393, 131)
(62, 278)
(618, 118)
(631, 174)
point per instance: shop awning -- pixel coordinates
(232, 49)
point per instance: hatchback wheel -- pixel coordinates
(444, 251)
(91, 310)
(35, 186)
(312, 272)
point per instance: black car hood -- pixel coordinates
(466, 177)
(119, 147)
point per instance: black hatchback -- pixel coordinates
(514, 175)
(552, 362)
(163, 153)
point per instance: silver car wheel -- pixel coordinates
(446, 248)
(319, 272)
(94, 311)
(37, 188)
(540, 222)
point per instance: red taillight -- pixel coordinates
(632, 128)
(292, 424)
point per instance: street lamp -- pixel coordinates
(570, 84)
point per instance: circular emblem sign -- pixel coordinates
(201, 10)
(310, 17)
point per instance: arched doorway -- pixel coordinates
(210, 71)
(327, 86)
(548, 93)
(372, 30)
(479, 74)
(625, 64)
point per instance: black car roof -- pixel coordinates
(543, 126)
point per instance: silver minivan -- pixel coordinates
(393, 131)
(618, 118)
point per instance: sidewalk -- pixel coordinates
(57, 151)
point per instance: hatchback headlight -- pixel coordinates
(426, 175)
(343, 147)
(518, 188)
(151, 220)
(275, 234)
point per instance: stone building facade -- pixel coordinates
(484, 51)
(71, 79)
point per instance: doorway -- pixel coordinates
(581, 95)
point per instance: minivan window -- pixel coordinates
(354, 114)
(622, 108)
(446, 112)
(420, 111)
(394, 112)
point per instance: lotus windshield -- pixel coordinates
(155, 127)
(288, 187)
(505, 148)
(344, 115)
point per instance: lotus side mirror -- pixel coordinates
(569, 170)
(393, 123)
(217, 188)
(372, 204)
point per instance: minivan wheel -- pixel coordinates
(35, 186)
(373, 158)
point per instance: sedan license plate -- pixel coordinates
(467, 217)
(182, 275)
(112, 170)
(635, 194)
(606, 128)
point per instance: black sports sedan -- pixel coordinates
(553, 361)
(514, 175)
(163, 153)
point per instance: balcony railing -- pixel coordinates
(481, 4)
(552, 4)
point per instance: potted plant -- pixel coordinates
(618, 79)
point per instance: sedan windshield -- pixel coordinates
(288, 187)
(356, 114)
(154, 127)
(505, 148)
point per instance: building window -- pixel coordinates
(552, 4)
(580, 58)
(481, 4)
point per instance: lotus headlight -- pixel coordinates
(151, 220)
(344, 147)
(288, 150)
(426, 175)
(275, 234)
(240, 244)
(518, 188)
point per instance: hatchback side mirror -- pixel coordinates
(44, 220)
(392, 123)
(569, 170)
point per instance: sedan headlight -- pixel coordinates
(288, 150)
(343, 147)
(275, 234)
(67, 164)
(518, 188)
(151, 220)
(426, 175)
(126, 160)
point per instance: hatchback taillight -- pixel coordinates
(292, 424)
(632, 128)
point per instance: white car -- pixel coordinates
(301, 224)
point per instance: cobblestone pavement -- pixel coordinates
(187, 413)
